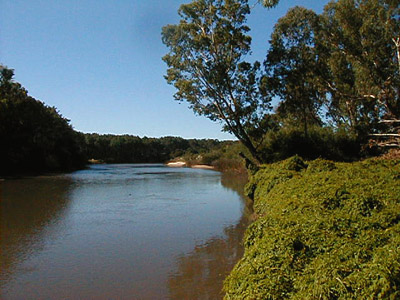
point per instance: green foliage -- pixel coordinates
(207, 67)
(321, 165)
(331, 231)
(340, 67)
(34, 137)
(358, 40)
(133, 149)
(295, 163)
(223, 156)
(270, 3)
(293, 63)
(324, 142)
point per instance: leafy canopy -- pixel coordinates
(362, 39)
(34, 137)
(208, 68)
(293, 63)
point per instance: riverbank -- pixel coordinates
(182, 164)
(324, 230)
(222, 165)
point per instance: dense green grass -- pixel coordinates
(324, 231)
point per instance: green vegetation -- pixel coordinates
(339, 71)
(292, 63)
(207, 67)
(34, 137)
(320, 142)
(324, 230)
(223, 155)
(133, 149)
(334, 75)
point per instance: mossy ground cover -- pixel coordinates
(324, 230)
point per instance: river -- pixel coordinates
(120, 232)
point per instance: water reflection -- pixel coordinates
(29, 210)
(201, 273)
(120, 232)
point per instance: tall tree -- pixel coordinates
(294, 66)
(363, 38)
(207, 66)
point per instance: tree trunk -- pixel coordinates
(253, 151)
(246, 141)
(305, 127)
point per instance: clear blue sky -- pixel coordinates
(99, 61)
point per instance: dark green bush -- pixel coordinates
(319, 143)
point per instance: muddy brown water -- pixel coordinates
(120, 232)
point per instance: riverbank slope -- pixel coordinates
(324, 230)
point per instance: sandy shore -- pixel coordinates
(176, 164)
(181, 164)
(207, 167)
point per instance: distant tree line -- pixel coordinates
(133, 149)
(37, 138)
(335, 75)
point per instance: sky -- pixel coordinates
(99, 61)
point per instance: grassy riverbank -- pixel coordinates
(324, 230)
